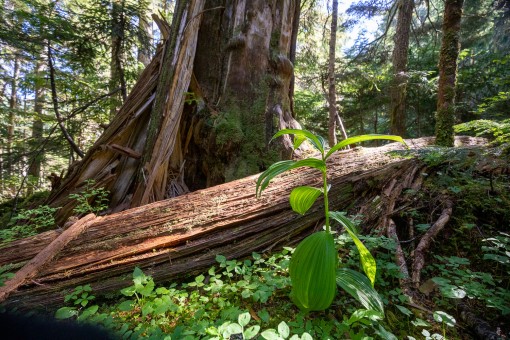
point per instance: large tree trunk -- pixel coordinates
(450, 47)
(243, 73)
(400, 76)
(196, 122)
(182, 235)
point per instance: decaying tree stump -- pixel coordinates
(202, 112)
(179, 236)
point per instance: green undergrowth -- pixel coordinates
(250, 297)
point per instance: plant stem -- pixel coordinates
(326, 202)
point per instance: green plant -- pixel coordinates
(90, 199)
(80, 297)
(29, 222)
(314, 262)
(498, 131)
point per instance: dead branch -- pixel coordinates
(419, 252)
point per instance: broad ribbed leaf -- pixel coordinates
(362, 138)
(280, 167)
(300, 136)
(360, 288)
(313, 272)
(367, 260)
(302, 198)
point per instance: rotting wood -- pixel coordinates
(34, 266)
(423, 245)
(182, 235)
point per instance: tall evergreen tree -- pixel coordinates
(400, 75)
(450, 46)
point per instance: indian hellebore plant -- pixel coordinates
(313, 266)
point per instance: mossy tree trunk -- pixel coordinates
(241, 91)
(399, 84)
(450, 46)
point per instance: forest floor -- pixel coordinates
(464, 291)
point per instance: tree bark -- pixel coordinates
(243, 73)
(450, 47)
(400, 76)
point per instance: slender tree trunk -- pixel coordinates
(117, 78)
(145, 35)
(334, 117)
(54, 99)
(34, 170)
(450, 47)
(331, 75)
(13, 104)
(400, 76)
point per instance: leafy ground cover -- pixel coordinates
(249, 298)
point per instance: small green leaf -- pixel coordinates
(270, 334)
(264, 315)
(282, 166)
(126, 306)
(138, 276)
(283, 330)
(244, 319)
(251, 332)
(65, 313)
(360, 288)
(367, 260)
(361, 314)
(306, 336)
(445, 318)
(220, 258)
(300, 136)
(234, 328)
(302, 198)
(362, 138)
(420, 323)
(404, 310)
(88, 312)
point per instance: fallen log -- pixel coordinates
(179, 236)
